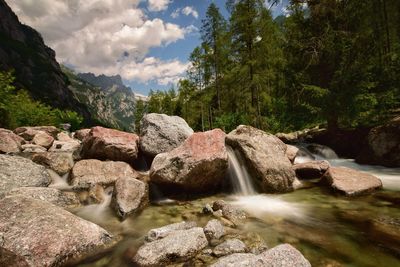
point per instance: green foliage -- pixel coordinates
(17, 108)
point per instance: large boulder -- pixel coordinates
(17, 172)
(88, 173)
(28, 133)
(214, 229)
(265, 157)
(43, 139)
(178, 246)
(159, 233)
(311, 169)
(42, 234)
(52, 195)
(108, 144)
(10, 142)
(161, 133)
(129, 196)
(61, 163)
(351, 182)
(199, 164)
(383, 145)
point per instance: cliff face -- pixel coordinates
(22, 49)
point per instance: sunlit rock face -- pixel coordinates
(198, 165)
(265, 157)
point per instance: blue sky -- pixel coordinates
(147, 42)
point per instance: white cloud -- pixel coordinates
(104, 36)
(187, 11)
(158, 5)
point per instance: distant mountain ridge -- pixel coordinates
(106, 82)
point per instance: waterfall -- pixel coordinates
(240, 178)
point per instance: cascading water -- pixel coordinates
(238, 174)
(58, 181)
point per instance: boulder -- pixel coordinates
(311, 170)
(214, 229)
(61, 163)
(73, 146)
(198, 165)
(28, 133)
(129, 196)
(43, 234)
(31, 149)
(265, 158)
(230, 212)
(382, 145)
(238, 260)
(81, 134)
(159, 233)
(291, 152)
(10, 142)
(43, 139)
(87, 173)
(108, 144)
(230, 246)
(63, 136)
(161, 133)
(351, 182)
(17, 172)
(178, 246)
(52, 195)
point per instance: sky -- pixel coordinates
(147, 42)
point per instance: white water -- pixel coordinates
(58, 181)
(240, 178)
(390, 177)
(97, 212)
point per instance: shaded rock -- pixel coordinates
(351, 182)
(52, 195)
(43, 139)
(238, 260)
(17, 172)
(178, 246)
(129, 196)
(108, 144)
(291, 152)
(311, 170)
(28, 133)
(235, 215)
(322, 151)
(45, 235)
(10, 142)
(31, 148)
(61, 163)
(81, 134)
(382, 145)
(159, 233)
(87, 173)
(283, 256)
(265, 158)
(198, 165)
(230, 246)
(161, 133)
(63, 137)
(214, 229)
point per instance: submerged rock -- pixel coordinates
(265, 157)
(17, 172)
(161, 133)
(43, 139)
(52, 195)
(61, 163)
(311, 170)
(177, 246)
(198, 165)
(230, 246)
(87, 173)
(42, 234)
(214, 229)
(159, 233)
(10, 142)
(235, 215)
(351, 182)
(108, 144)
(129, 196)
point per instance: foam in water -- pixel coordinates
(238, 174)
(58, 181)
(97, 212)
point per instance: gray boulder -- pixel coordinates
(129, 196)
(41, 234)
(10, 142)
(17, 172)
(159, 233)
(214, 229)
(52, 195)
(61, 163)
(198, 165)
(161, 133)
(230, 246)
(178, 246)
(265, 158)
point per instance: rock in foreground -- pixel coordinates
(198, 165)
(43, 234)
(176, 247)
(265, 157)
(351, 182)
(10, 142)
(161, 133)
(17, 172)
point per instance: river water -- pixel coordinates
(329, 230)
